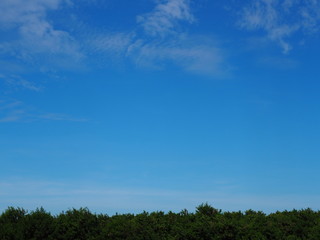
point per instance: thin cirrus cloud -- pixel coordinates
(196, 54)
(55, 196)
(162, 42)
(165, 17)
(193, 54)
(280, 20)
(12, 110)
(35, 37)
(157, 41)
(16, 81)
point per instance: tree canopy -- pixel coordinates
(207, 223)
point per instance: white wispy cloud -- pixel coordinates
(34, 33)
(15, 81)
(60, 117)
(38, 45)
(165, 17)
(12, 110)
(34, 43)
(196, 55)
(281, 19)
(16, 12)
(162, 43)
(108, 48)
(310, 13)
(58, 196)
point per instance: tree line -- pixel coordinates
(206, 223)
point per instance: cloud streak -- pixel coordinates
(12, 110)
(163, 44)
(195, 55)
(165, 17)
(59, 196)
(158, 42)
(15, 81)
(35, 34)
(280, 20)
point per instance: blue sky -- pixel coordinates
(124, 106)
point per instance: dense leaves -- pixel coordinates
(206, 223)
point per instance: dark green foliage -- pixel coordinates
(76, 224)
(207, 210)
(38, 225)
(12, 224)
(207, 223)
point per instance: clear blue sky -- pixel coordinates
(124, 106)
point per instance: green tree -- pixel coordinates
(12, 224)
(39, 225)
